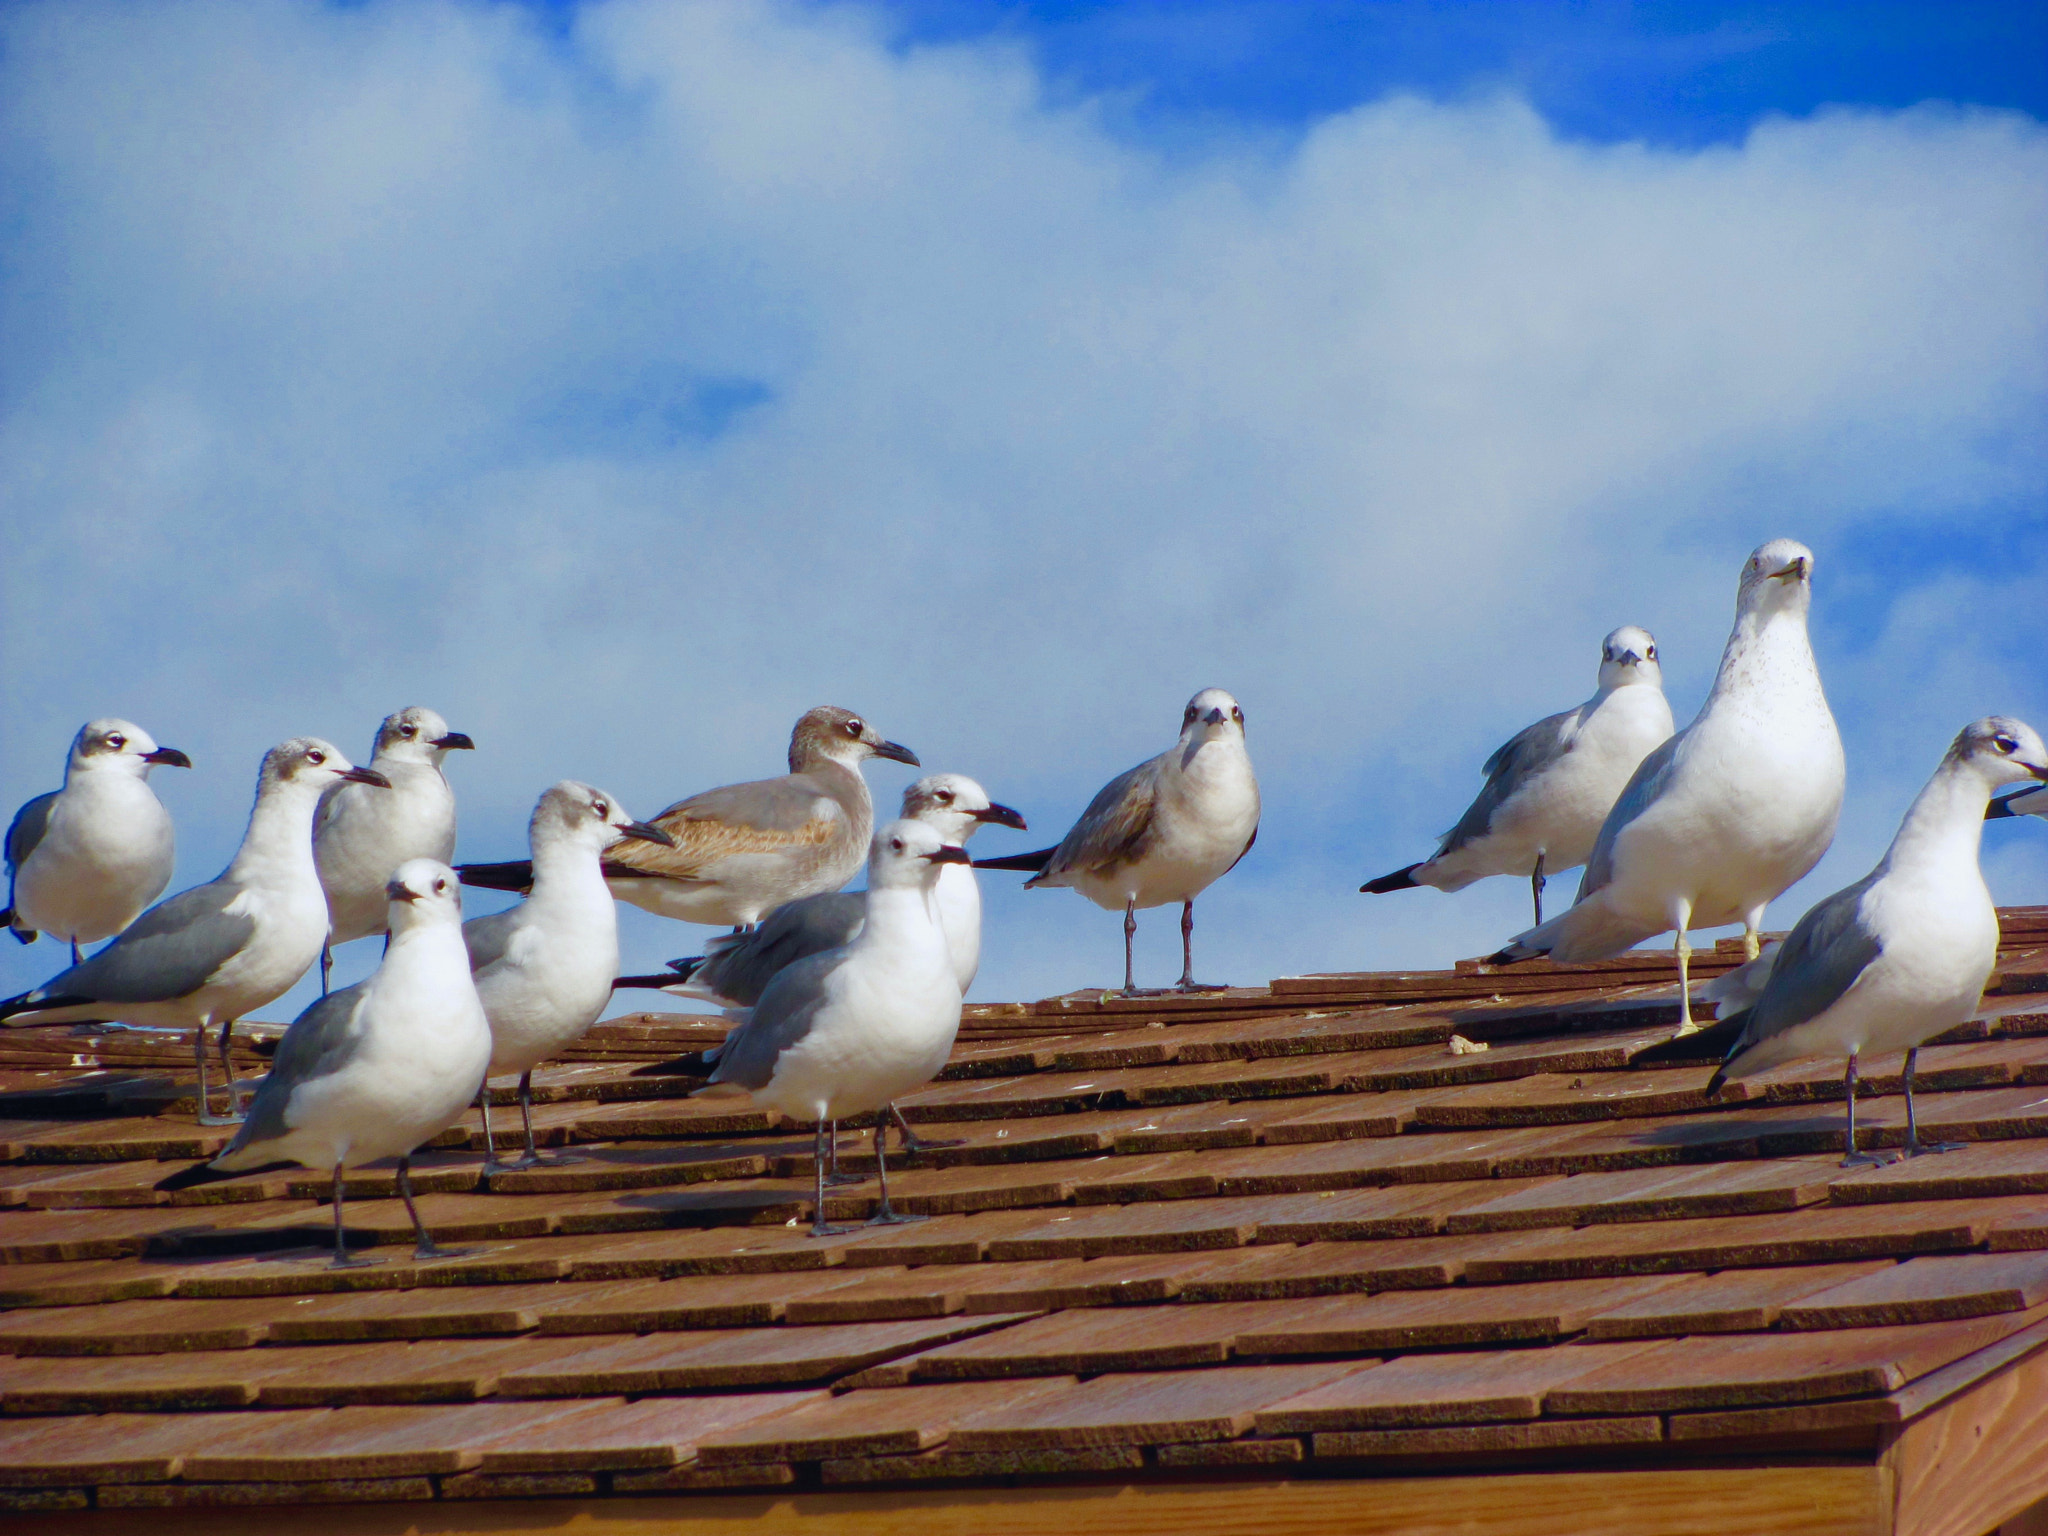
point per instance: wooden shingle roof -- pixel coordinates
(1211, 1259)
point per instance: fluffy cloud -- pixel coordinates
(621, 393)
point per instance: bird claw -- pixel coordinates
(423, 1252)
(886, 1217)
(208, 1117)
(841, 1180)
(1866, 1160)
(827, 1229)
(1925, 1148)
(351, 1261)
(1184, 985)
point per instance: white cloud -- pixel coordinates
(621, 395)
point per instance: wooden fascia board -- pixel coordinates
(1977, 1454)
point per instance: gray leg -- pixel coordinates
(1536, 884)
(1130, 933)
(326, 965)
(1187, 982)
(1915, 1147)
(914, 1143)
(885, 1215)
(341, 1254)
(423, 1246)
(75, 956)
(1857, 1159)
(483, 1102)
(833, 1176)
(820, 1227)
(227, 1072)
(206, 1114)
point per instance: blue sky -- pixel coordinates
(622, 379)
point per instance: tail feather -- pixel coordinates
(660, 983)
(1034, 862)
(2002, 807)
(207, 1173)
(687, 967)
(1715, 1042)
(513, 875)
(614, 870)
(1399, 880)
(28, 1002)
(694, 1064)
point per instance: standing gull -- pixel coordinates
(377, 1069)
(1900, 955)
(1163, 832)
(210, 954)
(854, 1028)
(84, 860)
(360, 837)
(544, 968)
(1548, 790)
(1729, 812)
(745, 849)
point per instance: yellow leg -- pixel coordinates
(1752, 943)
(1683, 950)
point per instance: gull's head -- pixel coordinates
(840, 735)
(956, 806)
(1629, 655)
(307, 762)
(910, 854)
(2001, 751)
(587, 814)
(1779, 576)
(417, 735)
(120, 745)
(1211, 715)
(423, 891)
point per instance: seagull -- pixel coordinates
(852, 1029)
(1550, 787)
(212, 953)
(84, 860)
(544, 968)
(1900, 955)
(736, 968)
(2028, 802)
(359, 837)
(377, 1069)
(1163, 832)
(1725, 815)
(746, 849)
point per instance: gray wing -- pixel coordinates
(321, 1040)
(782, 1018)
(1822, 957)
(1512, 766)
(1641, 791)
(739, 966)
(170, 951)
(1115, 827)
(27, 829)
(486, 937)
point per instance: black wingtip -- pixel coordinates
(1711, 1042)
(1034, 863)
(646, 983)
(1510, 956)
(692, 1065)
(687, 967)
(2000, 808)
(1399, 880)
(513, 875)
(28, 1002)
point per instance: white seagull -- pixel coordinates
(1551, 786)
(1163, 832)
(850, 1030)
(1900, 955)
(84, 860)
(377, 1069)
(544, 968)
(210, 954)
(1725, 815)
(745, 849)
(360, 837)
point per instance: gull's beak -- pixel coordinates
(367, 776)
(170, 757)
(1214, 717)
(454, 741)
(645, 832)
(1001, 816)
(1798, 570)
(950, 855)
(896, 752)
(2037, 771)
(398, 890)
(1628, 658)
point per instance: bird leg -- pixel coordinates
(227, 1070)
(1187, 982)
(1914, 1145)
(532, 1158)
(1536, 884)
(326, 964)
(1752, 943)
(885, 1215)
(1856, 1159)
(914, 1143)
(424, 1246)
(833, 1176)
(1683, 950)
(341, 1254)
(820, 1227)
(491, 1163)
(206, 1114)
(76, 958)
(1130, 933)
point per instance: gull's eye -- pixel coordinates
(1650, 653)
(2005, 743)
(599, 809)
(117, 741)
(316, 756)
(408, 730)
(853, 727)
(440, 886)
(1237, 714)
(944, 797)
(896, 844)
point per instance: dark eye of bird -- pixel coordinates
(601, 809)
(407, 730)
(316, 757)
(2004, 743)
(117, 742)
(853, 727)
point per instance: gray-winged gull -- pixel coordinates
(745, 849)
(84, 860)
(1551, 786)
(544, 968)
(210, 954)
(377, 1069)
(359, 837)
(850, 1030)
(1900, 955)
(1725, 815)
(1163, 832)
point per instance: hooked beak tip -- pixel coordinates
(1001, 816)
(454, 741)
(646, 832)
(896, 752)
